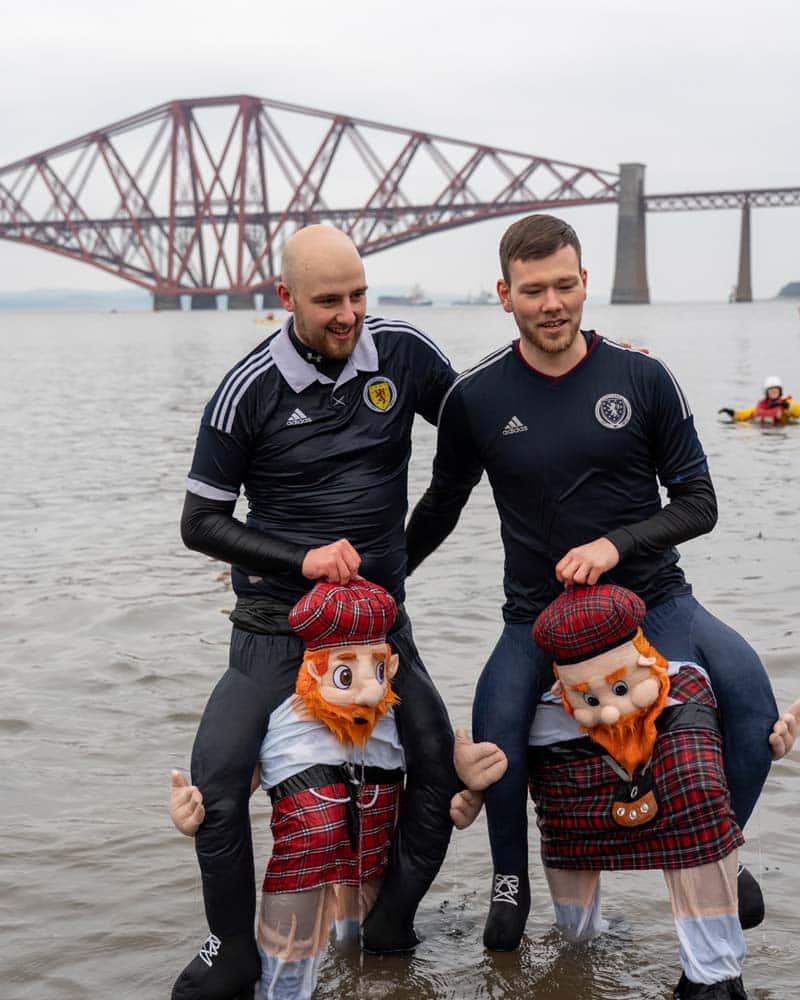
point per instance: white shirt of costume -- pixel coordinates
(293, 744)
(553, 724)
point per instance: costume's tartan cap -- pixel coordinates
(338, 614)
(585, 621)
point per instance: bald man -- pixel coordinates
(315, 424)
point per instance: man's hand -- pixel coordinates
(336, 563)
(784, 732)
(587, 563)
(186, 808)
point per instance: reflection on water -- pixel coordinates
(113, 635)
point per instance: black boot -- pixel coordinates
(728, 989)
(222, 970)
(508, 911)
(751, 900)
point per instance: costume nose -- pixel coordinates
(609, 715)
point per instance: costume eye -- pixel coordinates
(343, 677)
(620, 689)
(380, 671)
(591, 699)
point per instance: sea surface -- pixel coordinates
(112, 636)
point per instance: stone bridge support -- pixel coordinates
(744, 284)
(630, 275)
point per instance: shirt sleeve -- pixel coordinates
(434, 376)
(224, 444)
(676, 448)
(457, 469)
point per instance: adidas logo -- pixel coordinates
(514, 426)
(297, 417)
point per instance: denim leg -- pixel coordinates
(682, 629)
(509, 687)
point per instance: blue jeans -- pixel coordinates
(518, 672)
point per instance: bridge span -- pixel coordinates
(198, 196)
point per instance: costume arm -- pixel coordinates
(692, 511)
(209, 526)
(456, 471)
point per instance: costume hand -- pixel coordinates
(727, 410)
(478, 764)
(587, 563)
(186, 808)
(464, 808)
(336, 563)
(784, 732)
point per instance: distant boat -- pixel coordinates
(416, 297)
(483, 298)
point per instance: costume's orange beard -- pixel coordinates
(348, 723)
(630, 741)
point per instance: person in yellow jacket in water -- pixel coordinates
(774, 408)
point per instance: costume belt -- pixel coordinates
(352, 776)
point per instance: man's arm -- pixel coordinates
(456, 471)
(209, 526)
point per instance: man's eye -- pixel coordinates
(591, 699)
(380, 671)
(620, 689)
(343, 677)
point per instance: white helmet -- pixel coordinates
(772, 382)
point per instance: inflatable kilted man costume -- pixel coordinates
(630, 777)
(333, 766)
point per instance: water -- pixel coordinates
(113, 635)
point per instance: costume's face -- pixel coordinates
(356, 675)
(347, 688)
(328, 297)
(608, 687)
(546, 297)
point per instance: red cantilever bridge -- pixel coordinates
(198, 196)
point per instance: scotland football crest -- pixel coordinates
(612, 411)
(380, 394)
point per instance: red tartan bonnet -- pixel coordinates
(583, 622)
(336, 614)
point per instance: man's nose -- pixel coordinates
(347, 315)
(551, 300)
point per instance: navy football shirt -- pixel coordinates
(321, 460)
(569, 460)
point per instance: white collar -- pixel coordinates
(300, 374)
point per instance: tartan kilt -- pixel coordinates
(311, 843)
(694, 825)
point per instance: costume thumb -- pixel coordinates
(177, 780)
(462, 736)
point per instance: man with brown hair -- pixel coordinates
(576, 433)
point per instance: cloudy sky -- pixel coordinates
(704, 92)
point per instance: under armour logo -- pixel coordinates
(313, 357)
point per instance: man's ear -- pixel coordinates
(392, 665)
(503, 293)
(284, 294)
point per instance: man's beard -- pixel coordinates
(327, 346)
(551, 346)
(341, 719)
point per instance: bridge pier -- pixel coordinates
(164, 302)
(204, 300)
(744, 284)
(630, 275)
(241, 300)
(270, 299)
